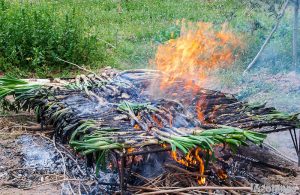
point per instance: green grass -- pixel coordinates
(118, 33)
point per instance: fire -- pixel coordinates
(164, 145)
(188, 59)
(130, 150)
(213, 114)
(201, 180)
(137, 127)
(198, 49)
(200, 108)
(190, 160)
(134, 158)
(222, 174)
(157, 121)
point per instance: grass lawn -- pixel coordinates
(129, 31)
(126, 32)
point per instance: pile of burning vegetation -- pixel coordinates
(115, 117)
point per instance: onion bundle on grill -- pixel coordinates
(96, 114)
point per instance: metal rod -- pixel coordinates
(296, 140)
(296, 148)
(276, 130)
(122, 174)
(263, 125)
(258, 162)
(299, 150)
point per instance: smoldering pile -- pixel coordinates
(115, 112)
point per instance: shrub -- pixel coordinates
(32, 36)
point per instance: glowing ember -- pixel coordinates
(213, 114)
(137, 127)
(201, 106)
(198, 49)
(158, 122)
(222, 174)
(135, 158)
(130, 150)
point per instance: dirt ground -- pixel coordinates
(15, 177)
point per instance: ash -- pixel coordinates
(39, 154)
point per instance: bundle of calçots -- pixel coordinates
(120, 119)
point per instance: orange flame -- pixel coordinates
(201, 180)
(191, 159)
(200, 108)
(197, 50)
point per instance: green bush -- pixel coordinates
(32, 36)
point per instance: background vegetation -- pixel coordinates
(122, 33)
